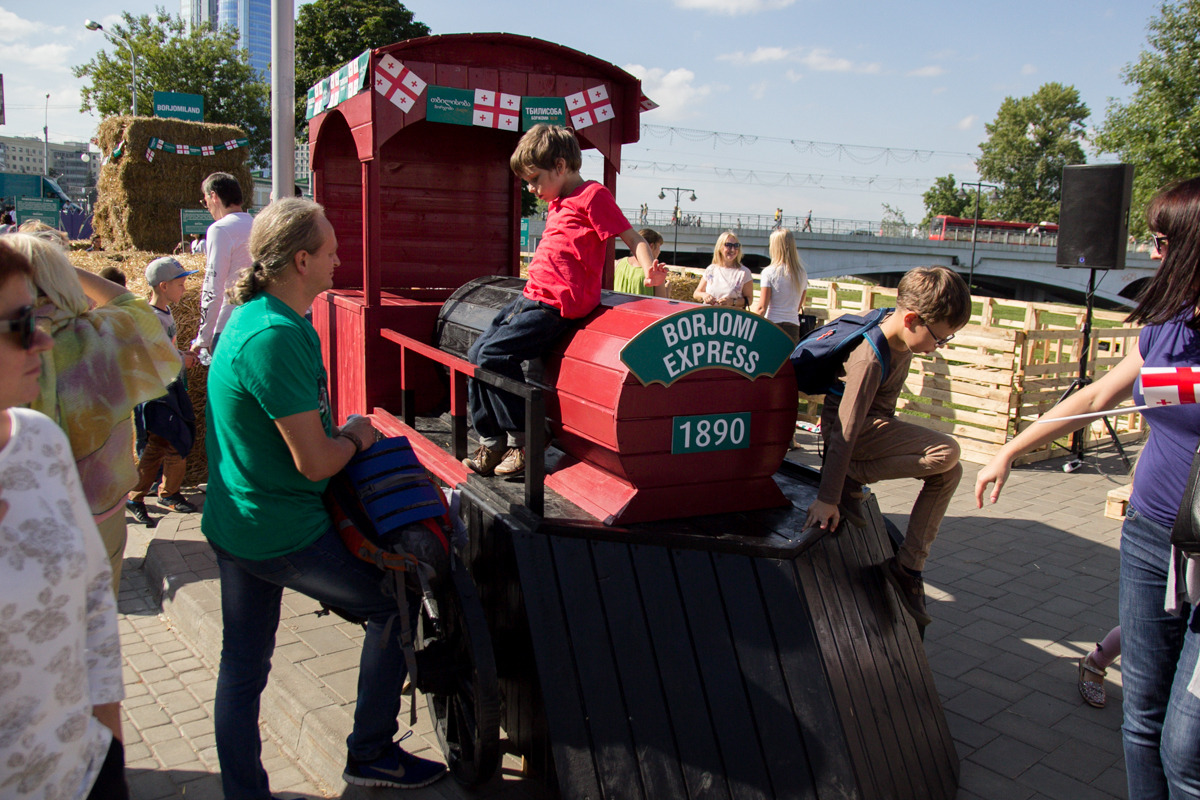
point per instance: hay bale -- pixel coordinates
(138, 200)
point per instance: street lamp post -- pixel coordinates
(92, 25)
(975, 225)
(46, 140)
(662, 195)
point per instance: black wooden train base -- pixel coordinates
(718, 656)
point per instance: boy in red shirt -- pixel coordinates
(564, 285)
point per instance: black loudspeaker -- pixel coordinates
(1093, 221)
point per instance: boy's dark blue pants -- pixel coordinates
(523, 329)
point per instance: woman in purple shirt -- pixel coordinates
(1160, 628)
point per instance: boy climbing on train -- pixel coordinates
(564, 285)
(865, 442)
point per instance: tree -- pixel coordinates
(1158, 130)
(171, 58)
(943, 198)
(331, 32)
(1029, 143)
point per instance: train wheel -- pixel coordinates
(466, 717)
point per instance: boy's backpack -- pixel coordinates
(389, 513)
(818, 358)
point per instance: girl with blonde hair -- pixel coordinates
(110, 354)
(726, 282)
(783, 285)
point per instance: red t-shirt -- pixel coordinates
(568, 266)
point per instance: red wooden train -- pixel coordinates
(662, 624)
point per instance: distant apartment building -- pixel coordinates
(250, 18)
(30, 156)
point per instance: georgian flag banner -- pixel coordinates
(397, 83)
(589, 108)
(497, 110)
(191, 149)
(1161, 386)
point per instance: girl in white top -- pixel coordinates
(726, 282)
(783, 285)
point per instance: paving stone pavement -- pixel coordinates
(1018, 592)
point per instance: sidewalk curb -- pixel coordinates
(302, 713)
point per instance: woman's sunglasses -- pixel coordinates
(24, 324)
(732, 246)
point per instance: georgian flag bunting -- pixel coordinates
(589, 108)
(497, 110)
(397, 83)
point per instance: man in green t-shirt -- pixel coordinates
(628, 276)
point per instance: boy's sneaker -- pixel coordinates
(138, 511)
(513, 463)
(486, 459)
(177, 502)
(394, 768)
(909, 589)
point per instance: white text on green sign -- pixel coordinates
(706, 338)
(707, 432)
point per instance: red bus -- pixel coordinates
(958, 229)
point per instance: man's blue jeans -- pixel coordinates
(1161, 730)
(251, 593)
(523, 329)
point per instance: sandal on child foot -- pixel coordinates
(1091, 682)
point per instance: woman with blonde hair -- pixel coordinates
(783, 285)
(110, 353)
(726, 282)
(272, 447)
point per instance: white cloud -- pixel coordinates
(1028, 69)
(758, 90)
(931, 71)
(816, 59)
(45, 57)
(13, 28)
(967, 122)
(822, 61)
(674, 90)
(793, 76)
(733, 7)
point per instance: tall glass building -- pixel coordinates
(251, 19)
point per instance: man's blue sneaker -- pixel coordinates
(394, 768)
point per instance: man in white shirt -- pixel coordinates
(228, 254)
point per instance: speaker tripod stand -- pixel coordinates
(1078, 437)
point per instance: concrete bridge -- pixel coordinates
(1018, 272)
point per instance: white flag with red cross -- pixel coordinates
(397, 83)
(589, 108)
(1169, 386)
(1161, 387)
(207, 150)
(497, 110)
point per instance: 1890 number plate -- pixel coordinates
(708, 432)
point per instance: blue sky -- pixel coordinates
(837, 107)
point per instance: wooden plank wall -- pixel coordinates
(685, 673)
(1010, 364)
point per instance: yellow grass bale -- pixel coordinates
(138, 200)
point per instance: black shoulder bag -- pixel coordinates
(1185, 533)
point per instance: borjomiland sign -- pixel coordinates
(179, 106)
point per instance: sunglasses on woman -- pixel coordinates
(732, 246)
(24, 324)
